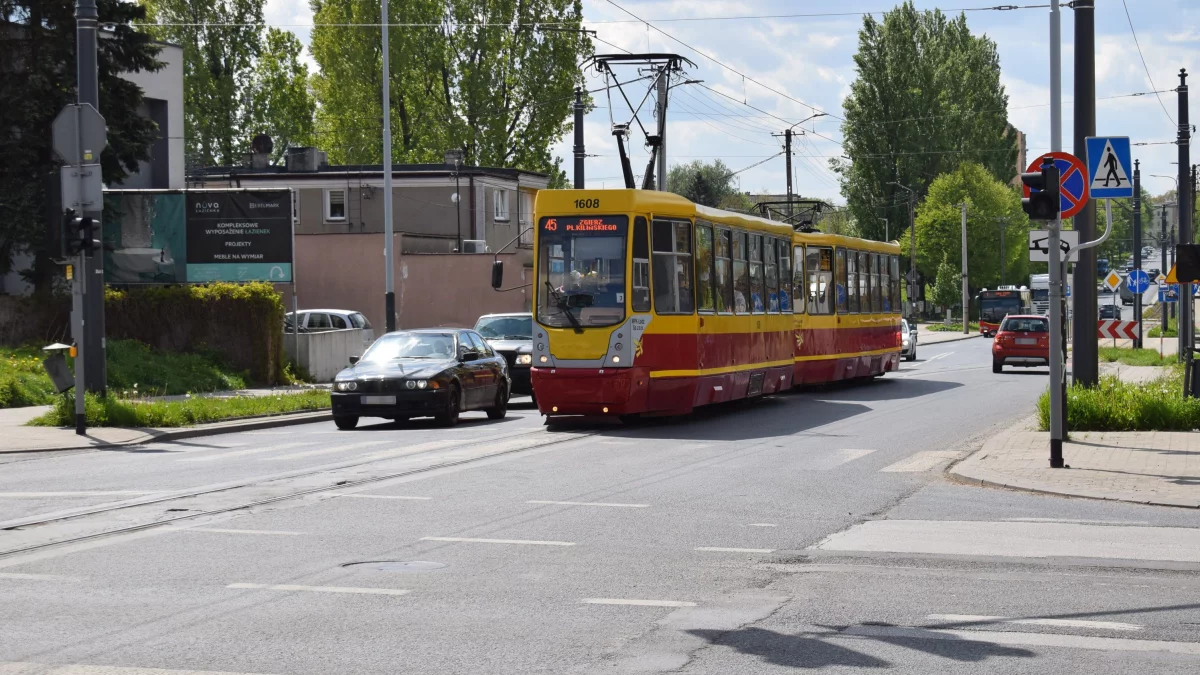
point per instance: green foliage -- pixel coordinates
(484, 77)
(23, 381)
(972, 326)
(707, 184)
(947, 291)
(1157, 331)
(992, 206)
(239, 78)
(37, 79)
(927, 97)
(1113, 405)
(115, 412)
(1132, 357)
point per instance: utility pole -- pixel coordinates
(886, 236)
(966, 301)
(389, 279)
(91, 267)
(1137, 246)
(1187, 331)
(579, 151)
(1003, 227)
(1058, 399)
(1085, 365)
(1163, 248)
(787, 153)
(663, 85)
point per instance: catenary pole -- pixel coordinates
(1085, 364)
(966, 303)
(1137, 246)
(1057, 365)
(579, 150)
(1187, 333)
(389, 277)
(663, 85)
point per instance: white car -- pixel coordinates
(908, 341)
(318, 320)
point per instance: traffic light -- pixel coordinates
(78, 234)
(1043, 186)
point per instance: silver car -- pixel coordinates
(318, 320)
(908, 343)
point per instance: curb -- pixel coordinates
(216, 428)
(956, 472)
(956, 338)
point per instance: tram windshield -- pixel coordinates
(993, 308)
(581, 271)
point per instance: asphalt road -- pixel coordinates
(812, 530)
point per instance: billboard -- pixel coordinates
(197, 236)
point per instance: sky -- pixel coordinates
(767, 70)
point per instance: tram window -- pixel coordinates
(820, 280)
(852, 281)
(799, 283)
(864, 283)
(641, 266)
(757, 304)
(724, 273)
(784, 248)
(896, 304)
(672, 277)
(704, 267)
(741, 275)
(840, 270)
(876, 284)
(771, 274)
(885, 283)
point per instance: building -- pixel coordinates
(1022, 154)
(449, 223)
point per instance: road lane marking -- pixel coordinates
(531, 542)
(1027, 639)
(624, 506)
(921, 461)
(16, 668)
(1061, 623)
(322, 589)
(244, 453)
(221, 530)
(36, 577)
(763, 525)
(81, 493)
(723, 549)
(638, 603)
(322, 451)
(358, 496)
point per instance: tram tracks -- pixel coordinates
(168, 516)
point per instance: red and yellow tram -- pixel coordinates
(645, 303)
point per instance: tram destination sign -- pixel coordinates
(239, 236)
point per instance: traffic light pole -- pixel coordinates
(1137, 247)
(77, 323)
(91, 266)
(1058, 399)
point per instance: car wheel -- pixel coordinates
(449, 416)
(345, 422)
(500, 409)
(912, 356)
(997, 367)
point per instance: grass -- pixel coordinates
(134, 370)
(1172, 329)
(1113, 405)
(1133, 357)
(952, 328)
(116, 412)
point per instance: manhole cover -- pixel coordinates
(397, 565)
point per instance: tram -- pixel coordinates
(648, 304)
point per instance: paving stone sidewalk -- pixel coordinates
(1146, 467)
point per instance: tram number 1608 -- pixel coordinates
(587, 203)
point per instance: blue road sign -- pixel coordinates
(1068, 290)
(1109, 167)
(1168, 293)
(1138, 281)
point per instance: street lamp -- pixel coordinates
(912, 252)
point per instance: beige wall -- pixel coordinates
(346, 271)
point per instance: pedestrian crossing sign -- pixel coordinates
(1110, 168)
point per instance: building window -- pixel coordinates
(501, 204)
(335, 205)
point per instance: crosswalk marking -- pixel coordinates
(321, 589)
(1058, 623)
(921, 462)
(15, 668)
(1027, 639)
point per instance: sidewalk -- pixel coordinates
(20, 438)
(933, 337)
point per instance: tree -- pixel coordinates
(927, 97)
(239, 79)
(947, 291)
(493, 78)
(992, 207)
(37, 78)
(707, 184)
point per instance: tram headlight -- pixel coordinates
(543, 359)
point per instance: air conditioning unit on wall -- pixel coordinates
(474, 246)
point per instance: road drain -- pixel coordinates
(396, 565)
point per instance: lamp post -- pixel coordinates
(912, 248)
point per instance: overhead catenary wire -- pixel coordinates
(1143, 58)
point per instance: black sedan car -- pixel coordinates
(1110, 312)
(437, 372)
(511, 335)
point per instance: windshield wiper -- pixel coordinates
(561, 303)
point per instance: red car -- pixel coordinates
(1023, 340)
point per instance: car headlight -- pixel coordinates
(906, 344)
(524, 359)
(346, 386)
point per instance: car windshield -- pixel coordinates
(505, 327)
(411, 346)
(1030, 325)
(1041, 294)
(581, 271)
(903, 326)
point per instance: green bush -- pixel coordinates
(115, 412)
(135, 369)
(1172, 329)
(952, 328)
(1113, 405)
(23, 381)
(1133, 357)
